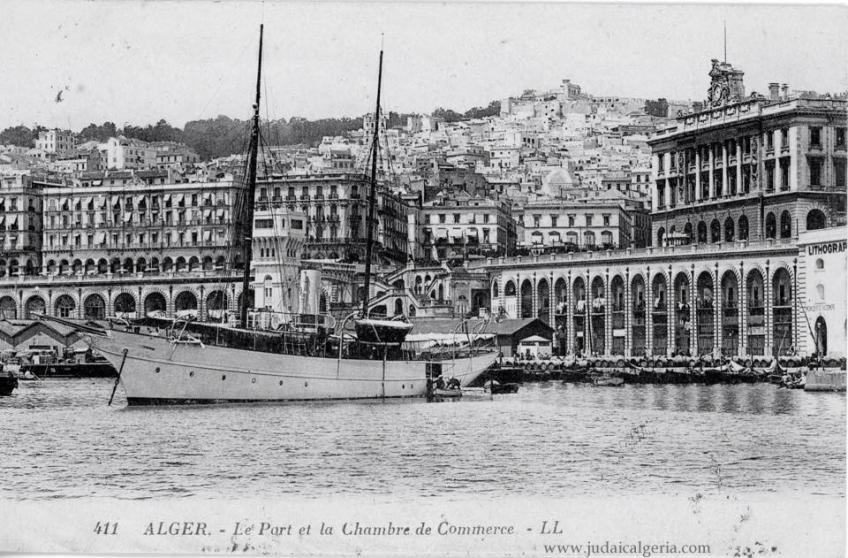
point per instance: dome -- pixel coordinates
(556, 181)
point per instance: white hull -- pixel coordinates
(157, 371)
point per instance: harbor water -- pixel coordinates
(59, 439)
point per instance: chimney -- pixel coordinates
(784, 91)
(774, 91)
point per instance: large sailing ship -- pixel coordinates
(163, 361)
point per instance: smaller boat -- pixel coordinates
(497, 387)
(8, 382)
(608, 381)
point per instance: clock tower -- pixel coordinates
(726, 84)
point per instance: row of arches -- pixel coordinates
(94, 305)
(730, 230)
(669, 315)
(138, 265)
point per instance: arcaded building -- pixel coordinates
(748, 168)
(748, 208)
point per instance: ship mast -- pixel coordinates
(372, 192)
(250, 193)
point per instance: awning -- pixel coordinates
(207, 235)
(441, 232)
(14, 222)
(180, 198)
(220, 213)
(127, 217)
(2, 220)
(167, 198)
(456, 233)
(207, 212)
(139, 198)
(101, 238)
(471, 232)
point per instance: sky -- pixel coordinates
(134, 62)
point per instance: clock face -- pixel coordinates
(716, 93)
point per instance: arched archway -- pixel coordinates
(659, 314)
(756, 312)
(560, 298)
(782, 311)
(581, 310)
(155, 302)
(34, 306)
(90, 267)
(167, 265)
(526, 310)
(816, 220)
(180, 265)
(771, 226)
(705, 313)
(128, 265)
(729, 314)
(398, 305)
(715, 231)
(207, 263)
(682, 314)
(543, 296)
(639, 298)
(185, 303)
(785, 225)
(125, 306)
(743, 228)
(598, 321)
(216, 304)
(687, 230)
(102, 266)
(65, 307)
(618, 310)
(661, 236)
(8, 308)
(702, 232)
(115, 265)
(193, 263)
(94, 307)
(729, 230)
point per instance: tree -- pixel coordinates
(19, 135)
(447, 115)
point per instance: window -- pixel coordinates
(588, 220)
(536, 219)
(839, 173)
(606, 220)
(442, 218)
(456, 217)
(264, 224)
(815, 136)
(553, 220)
(297, 224)
(486, 218)
(571, 220)
(840, 137)
(815, 172)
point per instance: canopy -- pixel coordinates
(207, 235)
(167, 197)
(101, 238)
(127, 217)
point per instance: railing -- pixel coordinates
(126, 276)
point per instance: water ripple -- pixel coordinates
(60, 440)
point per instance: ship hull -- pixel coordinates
(158, 372)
